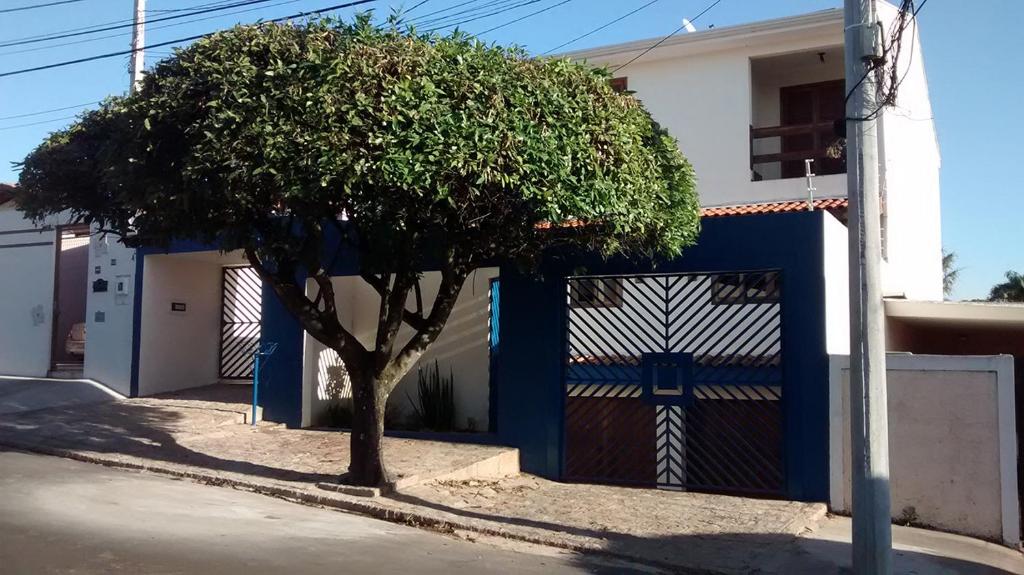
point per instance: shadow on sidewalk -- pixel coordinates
(139, 430)
(744, 552)
(791, 555)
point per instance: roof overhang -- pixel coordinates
(968, 314)
(829, 22)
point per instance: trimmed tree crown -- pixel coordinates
(424, 143)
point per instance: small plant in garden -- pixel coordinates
(436, 405)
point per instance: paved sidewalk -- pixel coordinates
(687, 532)
(18, 394)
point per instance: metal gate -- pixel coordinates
(241, 309)
(675, 381)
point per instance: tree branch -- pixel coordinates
(414, 319)
(452, 279)
(323, 325)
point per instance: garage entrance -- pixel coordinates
(67, 356)
(675, 381)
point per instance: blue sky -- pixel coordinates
(973, 54)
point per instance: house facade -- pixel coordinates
(714, 371)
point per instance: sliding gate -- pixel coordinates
(241, 314)
(675, 381)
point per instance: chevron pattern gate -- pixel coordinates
(675, 381)
(241, 312)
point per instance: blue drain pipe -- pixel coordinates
(266, 350)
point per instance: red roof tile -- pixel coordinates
(774, 208)
(6, 193)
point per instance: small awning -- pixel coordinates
(959, 313)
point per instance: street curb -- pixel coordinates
(363, 506)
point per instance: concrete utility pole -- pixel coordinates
(138, 58)
(872, 529)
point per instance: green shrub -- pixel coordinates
(436, 406)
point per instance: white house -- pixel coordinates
(750, 103)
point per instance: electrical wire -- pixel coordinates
(521, 4)
(16, 126)
(148, 29)
(172, 42)
(602, 27)
(417, 5)
(41, 112)
(521, 18)
(130, 24)
(34, 6)
(666, 38)
(437, 21)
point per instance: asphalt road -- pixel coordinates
(64, 516)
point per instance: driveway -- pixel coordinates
(62, 516)
(18, 395)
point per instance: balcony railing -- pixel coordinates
(797, 143)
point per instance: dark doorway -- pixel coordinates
(69, 292)
(812, 111)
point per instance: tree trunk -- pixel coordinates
(366, 466)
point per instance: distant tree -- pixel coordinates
(416, 151)
(1012, 290)
(950, 274)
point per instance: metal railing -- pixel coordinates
(822, 145)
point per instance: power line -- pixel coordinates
(601, 27)
(482, 16)
(129, 25)
(5, 128)
(148, 29)
(521, 18)
(417, 5)
(666, 38)
(425, 21)
(172, 42)
(41, 112)
(446, 9)
(34, 6)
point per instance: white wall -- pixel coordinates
(701, 87)
(952, 442)
(462, 347)
(109, 318)
(837, 285)
(701, 91)
(909, 147)
(179, 350)
(26, 294)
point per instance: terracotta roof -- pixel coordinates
(6, 193)
(774, 208)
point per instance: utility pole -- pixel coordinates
(138, 58)
(872, 528)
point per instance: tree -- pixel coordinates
(950, 274)
(300, 143)
(1012, 290)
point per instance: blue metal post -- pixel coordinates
(255, 384)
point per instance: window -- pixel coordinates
(747, 288)
(619, 84)
(595, 292)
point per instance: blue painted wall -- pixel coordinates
(533, 338)
(280, 379)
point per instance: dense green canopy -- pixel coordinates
(412, 137)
